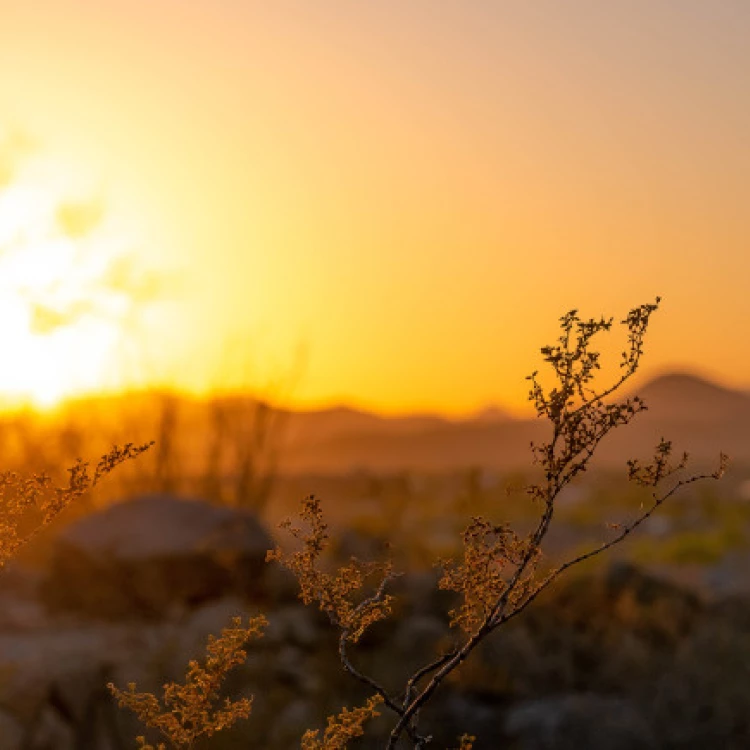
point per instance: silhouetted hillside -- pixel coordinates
(700, 416)
(689, 397)
(303, 427)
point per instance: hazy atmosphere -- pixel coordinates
(392, 201)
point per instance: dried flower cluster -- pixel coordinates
(342, 728)
(650, 475)
(28, 503)
(481, 577)
(194, 709)
(336, 594)
(498, 575)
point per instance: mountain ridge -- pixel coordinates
(699, 414)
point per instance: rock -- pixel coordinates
(150, 556)
(581, 721)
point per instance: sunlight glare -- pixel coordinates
(61, 318)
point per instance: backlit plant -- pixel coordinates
(500, 572)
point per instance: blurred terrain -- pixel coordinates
(698, 415)
(646, 649)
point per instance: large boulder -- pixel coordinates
(147, 557)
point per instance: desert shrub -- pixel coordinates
(499, 572)
(187, 712)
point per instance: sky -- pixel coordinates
(385, 204)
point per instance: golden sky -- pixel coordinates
(395, 201)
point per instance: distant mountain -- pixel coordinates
(690, 397)
(443, 447)
(700, 416)
(490, 414)
(316, 426)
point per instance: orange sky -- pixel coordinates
(394, 200)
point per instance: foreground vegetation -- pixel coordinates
(498, 576)
(498, 573)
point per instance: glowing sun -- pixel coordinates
(65, 297)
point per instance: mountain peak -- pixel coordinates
(489, 414)
(683, 382)
(687, 394)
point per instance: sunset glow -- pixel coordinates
(402, 197)
(62, 311)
